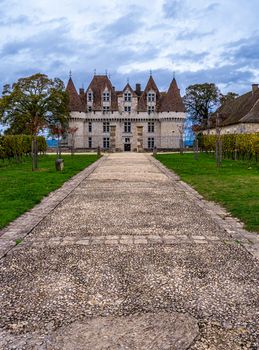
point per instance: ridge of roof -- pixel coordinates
(239, 108)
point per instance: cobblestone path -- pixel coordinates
(131, 258)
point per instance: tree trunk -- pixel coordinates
(34, 153)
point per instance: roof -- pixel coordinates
(243, 109)
(151, 85)
(128, 87)
(165, 101)
(75, 102)
(98, 85)
(172, 101)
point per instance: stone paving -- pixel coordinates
(127, 256)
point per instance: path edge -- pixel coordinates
(24, 224)
(233, 226)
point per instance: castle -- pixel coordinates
(127, 120)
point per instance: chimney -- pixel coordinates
(254, 88)
(81, 91)
(138, 89)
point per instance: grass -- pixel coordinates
(235, 185)
(21, 189)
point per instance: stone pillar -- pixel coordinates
(140, 139)
(112, 138)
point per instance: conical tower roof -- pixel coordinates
(75, 103)
(172, 101)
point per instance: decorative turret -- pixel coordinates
(172, 100)
(75, 102)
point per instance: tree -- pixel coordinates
(33, 104)
(230, 96)
(200, 100)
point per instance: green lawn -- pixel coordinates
(21, 189)
(235, 185)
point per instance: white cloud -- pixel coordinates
(55, 36)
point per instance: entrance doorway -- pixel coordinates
(127, 147)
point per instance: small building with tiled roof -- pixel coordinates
(128, 119)
(238, 115)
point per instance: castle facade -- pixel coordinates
(127, 120)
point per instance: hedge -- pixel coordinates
(17, 146)
(240, 146)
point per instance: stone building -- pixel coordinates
(127, 120)
(240, 115)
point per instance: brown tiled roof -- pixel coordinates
(151, 85)
(129, 88)
(253, 115)
(75, 102)
(243, 109)
(172, 101)
(165, 101)
(98, 85)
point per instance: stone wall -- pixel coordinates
(245, 128)
(166, 128)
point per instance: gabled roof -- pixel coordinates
(172, 100)
(75, 103)
(151, 85)
(243, 109)
(253, 115)
(98, 84)
(128, 87)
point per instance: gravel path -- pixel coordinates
(129, 260)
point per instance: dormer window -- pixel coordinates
(151, 109)
(106, 96)
(151, 97)
(106, 109)
(90, 96)
(127, 97)
(127, 109)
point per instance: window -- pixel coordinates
(127, 97)
(127, 126)
(106, 109)
(106, 96)
(89, 142)
(151, 97)
(106, 127)
(89, 108)
(90, 127)
(90, 96)
(106, 142)
(151, 127)
(151, 143)
(151, 109)
(127, 109)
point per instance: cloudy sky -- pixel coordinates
(201, 40)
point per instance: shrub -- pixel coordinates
(243, 146)
(17, 146)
